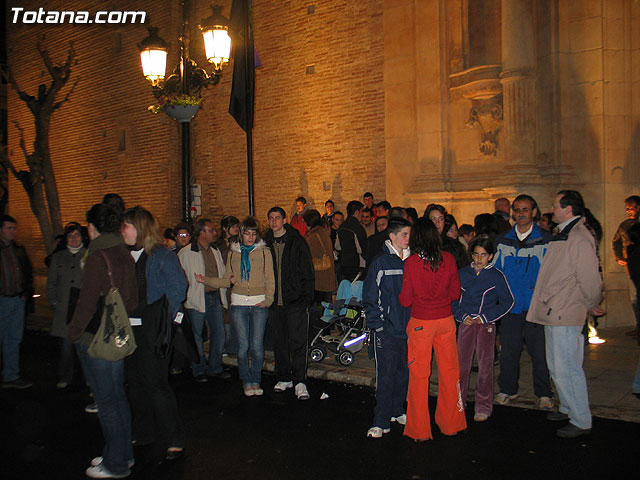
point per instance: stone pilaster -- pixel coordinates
(518, 86)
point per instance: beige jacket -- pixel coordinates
(569, 283)
(261, 279)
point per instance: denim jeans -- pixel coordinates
(250, 323)
(107, 383)
(565, 354)
(11, 330)
(635, 386)
(215, 321)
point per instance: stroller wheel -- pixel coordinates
(345, 358)
(317, 354)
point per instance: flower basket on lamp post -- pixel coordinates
(182, 113)
(182, 107)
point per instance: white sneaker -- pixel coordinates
(402, 419)
(376, 432)
(503, 398)
(480, 417)
(98, 460)
(100, 471)
(257, 391)
(249, 391)
(301, 392)
(282, 386)
(545, 403)
(61, 384)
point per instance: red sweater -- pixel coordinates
(429, 293)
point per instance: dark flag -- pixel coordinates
(243, 85)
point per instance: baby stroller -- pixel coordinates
(346, 315)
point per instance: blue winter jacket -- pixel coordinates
(380, 295)
(485, 293)
(165, 276)
(521, 264)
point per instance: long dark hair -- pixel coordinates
(425, 241)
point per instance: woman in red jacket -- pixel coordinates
(429, 286)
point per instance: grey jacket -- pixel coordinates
(569, 283)
(64, 273)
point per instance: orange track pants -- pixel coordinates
(425, 336)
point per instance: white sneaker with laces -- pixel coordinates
(98, 460)
(301, 392)
(249, 391)
(282, 386)
(402, 419)
(377, 432)
(257, 391)
(503, 398)
(100, 471)
(545, 403)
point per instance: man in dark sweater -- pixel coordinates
(15, 289)
(289, 317)
(351, 243)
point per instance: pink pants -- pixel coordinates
(481, 339)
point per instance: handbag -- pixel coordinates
(323, 263)
(114, 339)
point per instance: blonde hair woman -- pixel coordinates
(159, 274)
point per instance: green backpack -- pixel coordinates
(114, 339)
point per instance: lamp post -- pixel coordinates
(188, 77)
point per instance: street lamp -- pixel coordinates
(188, 77)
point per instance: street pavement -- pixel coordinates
(46, 434)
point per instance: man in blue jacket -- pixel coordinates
(519, 254)
(388, 321)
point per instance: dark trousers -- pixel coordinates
(153, 404)
(289, 328)
(512, 331)
(392, 378)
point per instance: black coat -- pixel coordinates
(297, 269)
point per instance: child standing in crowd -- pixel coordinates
(429, 286)
(388, 320)
(485, 298)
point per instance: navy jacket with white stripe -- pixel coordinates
(486, 294)
(380, 294)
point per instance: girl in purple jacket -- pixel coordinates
(484, 299)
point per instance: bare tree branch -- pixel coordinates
(66, 97)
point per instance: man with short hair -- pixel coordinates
(367, 200)
(366, 220)
(519, 254)
(15, 288)
(351, 243)
(182, 233)
(502, 214)
(620, 243)
(204, 303)
(336, 223)
(297, 221)
(569, 286)
(289, 319)
(388, 320)
(382, 209)
(329, 208)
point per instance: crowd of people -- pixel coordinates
(429, 286)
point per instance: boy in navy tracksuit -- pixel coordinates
(388, 321)
(484, 299)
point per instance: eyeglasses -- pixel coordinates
(183, 235)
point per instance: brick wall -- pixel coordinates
(320, 135)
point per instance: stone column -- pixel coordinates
(518, 86)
